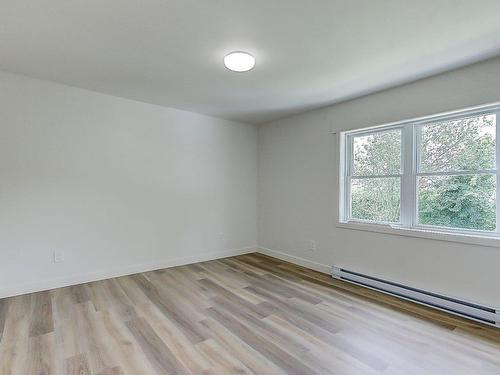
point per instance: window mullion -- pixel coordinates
(408, 179)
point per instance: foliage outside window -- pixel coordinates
(439, 173)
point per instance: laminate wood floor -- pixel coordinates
(250, 314)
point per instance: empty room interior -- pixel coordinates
(249, 187)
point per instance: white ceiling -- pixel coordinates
(309, 53)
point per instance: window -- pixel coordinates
(437, 173)
(375, 181)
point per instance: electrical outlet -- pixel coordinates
(312, 245)
(58, 256)
(222, 237)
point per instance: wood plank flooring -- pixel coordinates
(250, 314)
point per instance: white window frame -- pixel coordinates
(408, 224)
(348, 166)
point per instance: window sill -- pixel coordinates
(472, 239)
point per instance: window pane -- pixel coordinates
(377, 153)
(460, 145)
(466, 201)
(376, 199)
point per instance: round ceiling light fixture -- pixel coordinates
(239, 61)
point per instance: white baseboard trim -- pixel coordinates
(296, 260)
(59, 282)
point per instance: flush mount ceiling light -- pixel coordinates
(239, 61)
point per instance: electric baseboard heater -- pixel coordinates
(483, 314)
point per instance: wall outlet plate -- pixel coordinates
(58, 256)
(312, 245)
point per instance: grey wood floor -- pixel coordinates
(250, 314)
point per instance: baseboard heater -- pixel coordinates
(483, 314)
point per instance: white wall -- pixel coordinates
(298, 194)
(119, 186)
